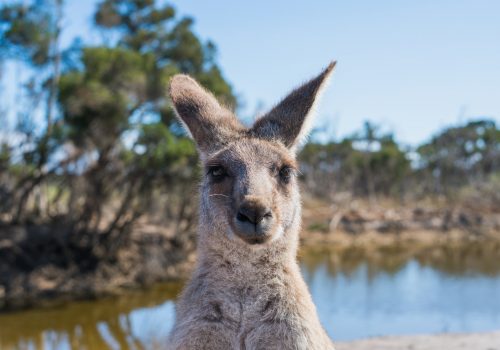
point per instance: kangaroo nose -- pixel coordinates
(253, 213)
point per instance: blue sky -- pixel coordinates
(411, 66)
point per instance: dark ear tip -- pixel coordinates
(330, 67)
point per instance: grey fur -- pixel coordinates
(247, 291)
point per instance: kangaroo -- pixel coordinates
(247, 291)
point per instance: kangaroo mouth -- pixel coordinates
(253, 239)
(256, 240)
(252, 234)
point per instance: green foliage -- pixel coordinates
(116, 142)
(370, 163)
(142, 24)
(162, 152)
(146, 26)
(104, 93)
(458, 154)
(5, 156)
(26, 31)
(364, 164)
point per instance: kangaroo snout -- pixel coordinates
(253, 213)
(254, 220)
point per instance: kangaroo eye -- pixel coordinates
(217, 172)
(286, 174)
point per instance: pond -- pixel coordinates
(358, 295)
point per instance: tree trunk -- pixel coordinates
(56, 66)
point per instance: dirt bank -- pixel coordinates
(456, 237)
(474, 341)
(357, 217)
(39, 264)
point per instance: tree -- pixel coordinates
(31, 32)
(366, 164)
(460, 155)
(368, 136)
(146, 27)
(115, 144)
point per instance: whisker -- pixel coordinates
(218, 194)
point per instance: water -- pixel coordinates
(357, 294)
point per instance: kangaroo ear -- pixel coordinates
(209, 124)
(290, 121)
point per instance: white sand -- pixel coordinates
(474, 341)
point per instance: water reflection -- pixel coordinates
(369, 297)
(471, 258)
(358, 292)
(136, 320)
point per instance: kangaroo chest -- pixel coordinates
(240, 307)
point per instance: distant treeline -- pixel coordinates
(372, 164)
(108, 151)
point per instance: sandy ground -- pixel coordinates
(475, 341)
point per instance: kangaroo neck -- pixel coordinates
(232, 258)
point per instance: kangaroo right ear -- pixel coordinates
(210, 125)
(290, 121)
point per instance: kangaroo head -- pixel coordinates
(249, 192)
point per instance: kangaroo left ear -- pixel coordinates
(291, 120)
(210, 124)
